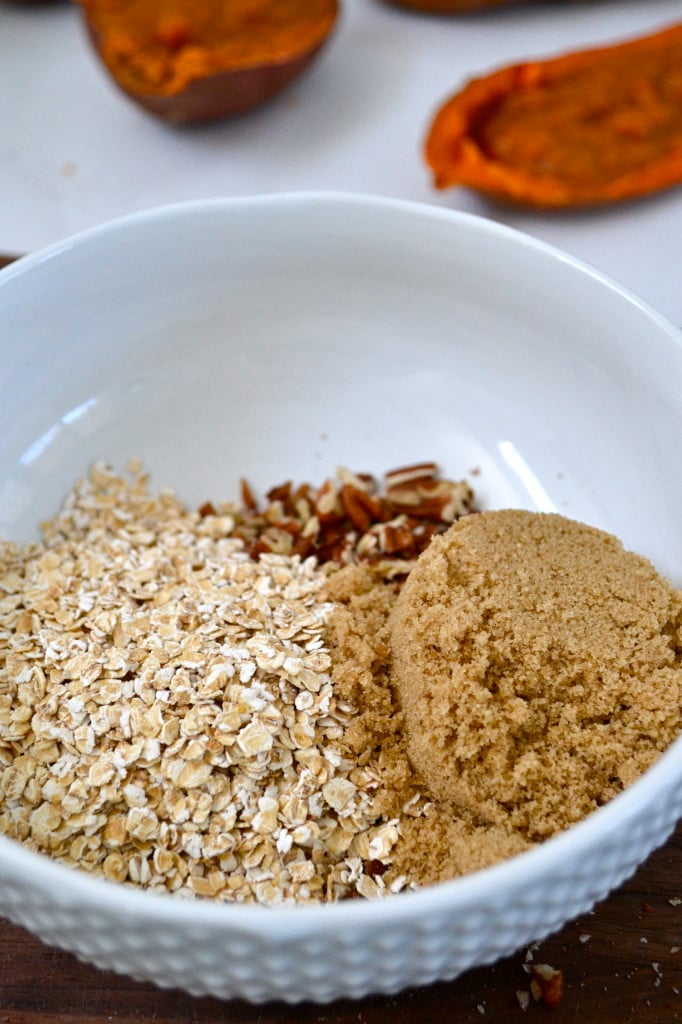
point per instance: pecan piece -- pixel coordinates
(248, 500)
(282, 492)
(375, 868)
(410, 474)
(327, 504)
(439, 500)
(547, 984)
(396, 536)
(360, 507)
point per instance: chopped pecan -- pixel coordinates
(360, 481)
(327, 504)
(547, 984)
(410, 474)
(282, 492)
(350, 518)
(303, 546)
(375, 868)
(396, 536)
(360, 507)
(441, 500)
(248, 500)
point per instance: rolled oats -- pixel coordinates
(167, 713)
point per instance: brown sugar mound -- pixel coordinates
(538, 667)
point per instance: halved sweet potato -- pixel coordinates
(197, 60)
(593, 126)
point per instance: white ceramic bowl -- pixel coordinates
(281, 337)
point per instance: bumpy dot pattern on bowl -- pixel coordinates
(330, 957)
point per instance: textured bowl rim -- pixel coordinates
(476, 889)
(479, 888)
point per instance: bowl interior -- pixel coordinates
(280, 337)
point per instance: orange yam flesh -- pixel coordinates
(590, 127)
(190, 60)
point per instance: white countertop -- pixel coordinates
(75, 152)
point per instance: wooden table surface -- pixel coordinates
(622, 964)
